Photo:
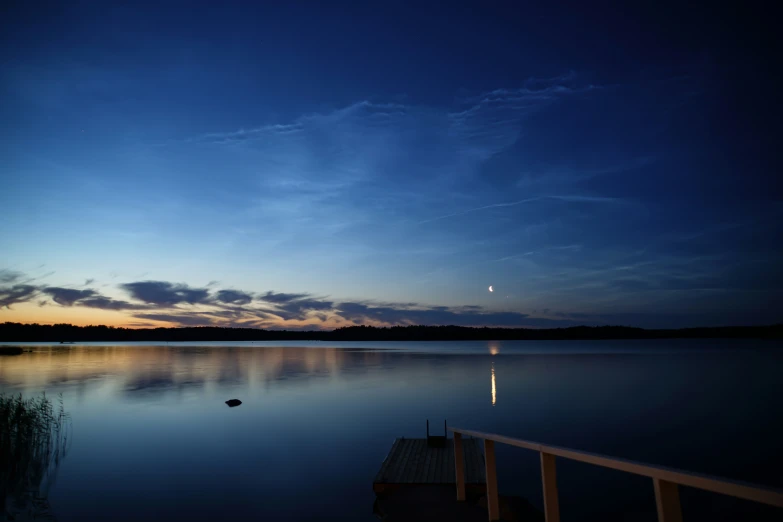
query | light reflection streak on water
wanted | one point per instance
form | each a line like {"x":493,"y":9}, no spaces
{"x":494,"y":394}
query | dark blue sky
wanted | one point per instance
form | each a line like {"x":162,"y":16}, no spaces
{"x":386,"y":163}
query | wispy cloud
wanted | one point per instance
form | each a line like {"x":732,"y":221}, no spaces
{"x":236,"y":297}
{"x":491,"y":122}
{"x":180,"y":319}
{"x":10,"y":276}
{"x":182,"y":305}
{"x":543,"y":250}
{"x":297,"y":306}
{"x":243,"y":135}
{"x":67,"y":296}
{"x":372,"y":162}
{"x":106,"y":303}
{"x":534,"y":91}
{"x":375,"y":112}
{"x":563,"y":198}
{"x":368,"y":312}
{"x":544,"y":177}
{"x":281,"y":298}
{"x":16,"y":294}
{"x":16,"y":287}
{"x":163,"y":293}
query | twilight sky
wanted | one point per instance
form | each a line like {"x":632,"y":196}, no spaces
{"x":292,"y":165}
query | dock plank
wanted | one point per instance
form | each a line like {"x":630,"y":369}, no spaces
{"x":425,"y":453}
{"x":399,"y":470}
{"x":413,"y":464}
{"x":409,"y":447}
{"x":421,"y":477}
{"x":387,"y":461}
{"x":431,"y":475}
{"x":441,"y":466}
{"x":451,"y":468}
{"x":448,"y":472}
{"x":437,"y":466}
{"x":448,"y":468}
{"x":467,"y":461}
{"x":470,"y":461}
{"x":391,"y":471}
{"x":425,"y":459}
{"x":413,"y":461}
{"x":410,"y":462}
{"x":396,"y":460}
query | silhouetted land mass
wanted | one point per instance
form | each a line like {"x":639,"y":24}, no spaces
{"x":17,"y":332}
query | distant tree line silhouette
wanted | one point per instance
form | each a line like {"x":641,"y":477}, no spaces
{"x":19,"y":332}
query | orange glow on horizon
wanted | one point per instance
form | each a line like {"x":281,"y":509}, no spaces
{"x":54,"y":314}
{"x":29,"y":313}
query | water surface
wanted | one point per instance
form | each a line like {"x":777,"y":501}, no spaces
{"x":153,"y":439}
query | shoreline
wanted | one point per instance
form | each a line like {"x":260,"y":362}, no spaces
{"x":69,"y":334}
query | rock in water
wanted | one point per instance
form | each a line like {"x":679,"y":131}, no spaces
{"x":233,"y":402}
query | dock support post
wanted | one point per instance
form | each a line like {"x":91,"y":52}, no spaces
{"x":667,"y":499}
{"x":459,"y":462}
{"x":549,"y":481}
{"x":492,"y":480}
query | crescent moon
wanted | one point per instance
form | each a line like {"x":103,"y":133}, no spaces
{"x":490,"y":288}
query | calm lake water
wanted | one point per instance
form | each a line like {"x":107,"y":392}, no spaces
{"x":153,"y":439}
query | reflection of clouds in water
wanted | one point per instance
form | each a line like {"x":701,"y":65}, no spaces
{"x":230,"y":368}
{"x":155,"y":372}
{"x":162,"y":381}
{"x":163,"y":368}
{"x":147,"y":383}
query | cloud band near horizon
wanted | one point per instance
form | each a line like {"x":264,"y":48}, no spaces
{"x":182,"y":305}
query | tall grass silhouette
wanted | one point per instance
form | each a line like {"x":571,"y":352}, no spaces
{"x":34,"y":438}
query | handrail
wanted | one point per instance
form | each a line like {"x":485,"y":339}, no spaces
{"x":665,"y":479}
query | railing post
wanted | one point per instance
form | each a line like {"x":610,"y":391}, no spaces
{"x":549,"y":481}
{"x":667,"y":498}
{"x":459,"y":462}
{"x":492,"y":480}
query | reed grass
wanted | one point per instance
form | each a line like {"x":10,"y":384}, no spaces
{"x":34,"y":438}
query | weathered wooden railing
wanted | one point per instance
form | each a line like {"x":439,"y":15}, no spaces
{"x":665,"y":480}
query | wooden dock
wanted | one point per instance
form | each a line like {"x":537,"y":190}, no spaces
{"x":665,"y":481}
{"x":413,"y":462}
{"x":416,"y":479}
